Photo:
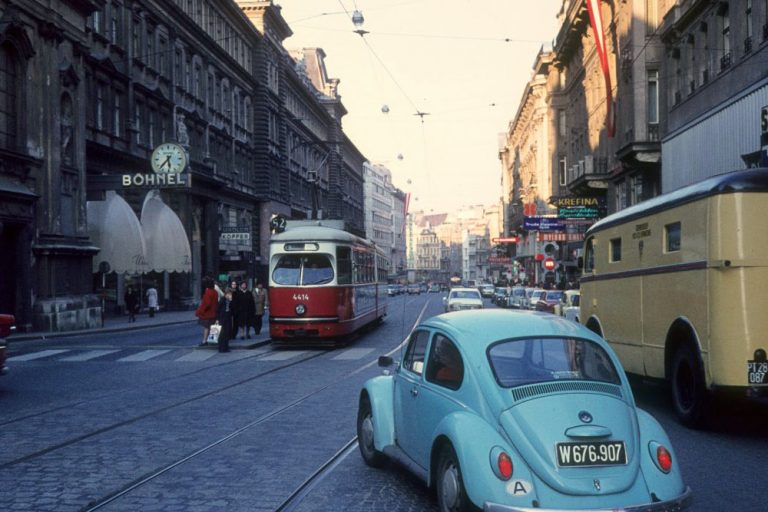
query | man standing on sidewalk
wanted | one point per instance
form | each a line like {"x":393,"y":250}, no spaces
{"x":260,"y":302}
{"x":152,"y":300}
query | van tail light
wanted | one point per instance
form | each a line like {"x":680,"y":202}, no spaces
{"x":501,"y":463}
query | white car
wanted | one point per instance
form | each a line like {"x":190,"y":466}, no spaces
{"x":569,"y":305}
{"x":517,"y":297}
{"x":463,"y":298}
{"x":536,"y":294}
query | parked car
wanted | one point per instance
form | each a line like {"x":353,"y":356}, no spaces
{"x":534,"y":297}
{"x":392,"y":290}
{"x":486,"y":290}
{"x":414,"y":288}
{"x":549,"y":300}
{"x":569,"y":305}
{"x":463,"y":298}
{"x":509,"y":410}
{"x":516,"y":297}
{"x":434,"y":288}
{"x":6,"y":328}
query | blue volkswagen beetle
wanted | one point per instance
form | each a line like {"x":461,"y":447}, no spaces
{"x":518,"y":411}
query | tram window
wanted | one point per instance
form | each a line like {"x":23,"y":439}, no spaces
{"x":287,"y":270}
{"x":344,"y":265}
{"x":317,"y":269}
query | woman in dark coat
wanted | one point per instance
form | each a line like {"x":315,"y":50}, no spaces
{"x":131,"y":303}
{"x":225,"y":316}
{"x":245,"y":310}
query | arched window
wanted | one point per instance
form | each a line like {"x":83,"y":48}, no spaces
{"x":9,"y":99}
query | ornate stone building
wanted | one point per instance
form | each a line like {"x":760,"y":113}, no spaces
{"x":45,"y":251}
{"x":90,"y":89}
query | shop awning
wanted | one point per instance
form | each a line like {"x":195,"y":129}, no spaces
{"x":115,"y":229}
{"x":166,"y":240}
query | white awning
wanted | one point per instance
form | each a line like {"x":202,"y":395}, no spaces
{"x":115,"y":229}
{"x":166,"y":240}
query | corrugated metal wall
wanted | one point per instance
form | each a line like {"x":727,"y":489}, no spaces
{"x":713,"y":144}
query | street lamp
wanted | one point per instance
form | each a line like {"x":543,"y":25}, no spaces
{"x":358,"y":20}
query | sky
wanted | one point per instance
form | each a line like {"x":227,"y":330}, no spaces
{"x":464,"y":63}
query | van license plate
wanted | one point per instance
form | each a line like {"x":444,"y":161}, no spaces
{"x":597,"y":453}
{"x":757,"y":373}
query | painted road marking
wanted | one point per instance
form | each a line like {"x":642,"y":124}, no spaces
{"x":36,"y":355}
{"x":144,"y":355}
{"x":353,"y":353}
{"x":283,"y":355}
{"x":87,"y":356}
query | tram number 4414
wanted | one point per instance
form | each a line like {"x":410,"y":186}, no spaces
{"x":300,"y":296}
{"x":757,"y":371}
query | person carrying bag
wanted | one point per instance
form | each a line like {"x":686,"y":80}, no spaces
{"x":208,"y":309}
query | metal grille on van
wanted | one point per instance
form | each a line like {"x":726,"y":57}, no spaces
{"x":522,"y":393}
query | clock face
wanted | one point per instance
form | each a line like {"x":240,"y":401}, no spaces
{"x":169,"y":158}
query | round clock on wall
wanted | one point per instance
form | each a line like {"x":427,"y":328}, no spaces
{"x":169,"y":158}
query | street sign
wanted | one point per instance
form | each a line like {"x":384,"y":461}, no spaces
{"x":544,"y":224}
{"x":506,"y":240}
{"x":549,"y":264}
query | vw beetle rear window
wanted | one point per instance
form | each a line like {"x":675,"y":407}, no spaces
{"x":533,"y":360}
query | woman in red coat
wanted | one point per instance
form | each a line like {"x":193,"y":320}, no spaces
{"x":206,"y":312}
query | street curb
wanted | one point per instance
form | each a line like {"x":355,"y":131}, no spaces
{"x":50,"y":335}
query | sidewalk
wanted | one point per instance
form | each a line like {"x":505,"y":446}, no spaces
{"x":143,"y":321}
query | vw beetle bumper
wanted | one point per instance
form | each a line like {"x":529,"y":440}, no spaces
{"x":680,"y":503}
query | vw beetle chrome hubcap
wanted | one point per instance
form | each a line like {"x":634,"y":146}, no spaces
{"x":367,"y":432}
{"x":450,"y":486}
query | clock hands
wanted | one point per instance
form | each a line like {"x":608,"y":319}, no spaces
{"x":166,"y":162}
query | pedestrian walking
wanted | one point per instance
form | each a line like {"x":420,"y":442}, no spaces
{"x":246,"y":310}
{"x":152,"y":300}
{"x":260,"y":304}
{"x":131,"y":303}
{"x":226,"y":317}
{"x":209,"y":305}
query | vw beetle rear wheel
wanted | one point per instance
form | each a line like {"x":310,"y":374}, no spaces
{"x":451,"y":495}
{"x":371,"y":455}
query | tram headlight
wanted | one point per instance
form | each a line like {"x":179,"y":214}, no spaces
{"x":300,"y":309}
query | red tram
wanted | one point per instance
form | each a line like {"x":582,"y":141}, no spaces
{"x":324,"y":283}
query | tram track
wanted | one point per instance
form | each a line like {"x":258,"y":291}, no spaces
{"x":154,"y":412}
{"x":298,"y":494}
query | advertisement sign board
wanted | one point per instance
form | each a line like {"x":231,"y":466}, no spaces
{"x":544,"y":224}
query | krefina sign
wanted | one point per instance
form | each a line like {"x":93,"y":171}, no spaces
{"x":582,"y":201}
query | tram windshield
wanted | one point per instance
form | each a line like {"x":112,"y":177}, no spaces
{"x":303,"y":269}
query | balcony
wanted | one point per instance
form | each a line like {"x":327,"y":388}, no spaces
{"x":590,"y":173}
{"x":653,"y":132}
{"x":725,"y":61}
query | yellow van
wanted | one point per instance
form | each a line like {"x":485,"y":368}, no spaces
{"x":678,"y":285}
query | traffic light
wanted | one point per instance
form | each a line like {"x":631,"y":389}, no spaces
{"x":551,"y":248}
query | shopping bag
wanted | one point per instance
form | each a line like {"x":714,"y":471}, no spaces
{"x":213,"y":334}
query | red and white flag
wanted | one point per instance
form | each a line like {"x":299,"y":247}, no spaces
{"x":596,"y":20}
